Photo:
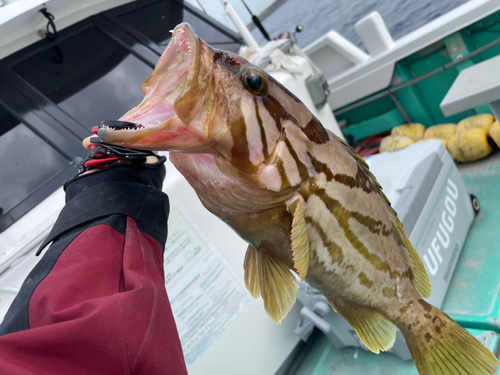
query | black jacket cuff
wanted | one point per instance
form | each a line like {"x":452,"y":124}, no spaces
{"x":124,"y":189}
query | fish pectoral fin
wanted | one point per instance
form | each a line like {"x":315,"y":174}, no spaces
{"x":374,"y":330}
{"x":278,"y":285}
{"x":251,"y":267}
{"x":299,"y":239}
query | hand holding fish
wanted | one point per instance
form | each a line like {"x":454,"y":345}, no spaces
{"x":301,"y":198}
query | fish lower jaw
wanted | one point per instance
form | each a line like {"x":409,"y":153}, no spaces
{"x":130,"y":136}
{"x":107,"y":132}
{"x":117,"y":129}
{"x":138,"y":126}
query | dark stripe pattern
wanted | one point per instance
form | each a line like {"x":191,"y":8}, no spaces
{"x":334,"y":249}
{"x":240,"y":152}
{"x":263,"y":137}
{"x":343,"y":215}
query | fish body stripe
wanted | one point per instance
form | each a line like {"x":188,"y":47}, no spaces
{"x":240,"y":152}
{"x":246,"y":150}
{"x":263,"y":137}
{"x":342,"y":216}
{"x":365,"y":280}
{"x":360,"y":181}
{"x":314,"y":131}
{"x":333,"y":248}
{"x":374,"y":226}
{"x":253,"y":133}
{"x":321,"y":167}
{"x":303,"y":171}
{"x":285,"y":182}
{"x":290,"y":171}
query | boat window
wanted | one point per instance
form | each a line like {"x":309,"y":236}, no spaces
{"x":53,"y":92}
{"x":90,"y":76}
{"x":28,"y":162}
{"x":156,"y":20}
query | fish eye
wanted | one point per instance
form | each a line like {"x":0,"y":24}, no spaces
{"x":255,"y":82}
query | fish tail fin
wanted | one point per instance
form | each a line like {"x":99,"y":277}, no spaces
{"x":445,"y":348}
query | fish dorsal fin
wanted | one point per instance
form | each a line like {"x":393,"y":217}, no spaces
{"x":421,"y":280}
{"x":299,"y":239}
{"x":278,"y":285}
{"x":375,"y":331}
{"x":251,"y":267}
{"x":271,"y":279}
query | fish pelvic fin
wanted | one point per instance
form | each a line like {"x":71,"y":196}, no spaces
{"x":251,"y":267}
{"x":299,"y":239}
{"x":271,"y":279}
{"x":374,"y":330}
{"x":278,"y":285}
{"x":443,"y":347}
{"x":421,"y":281}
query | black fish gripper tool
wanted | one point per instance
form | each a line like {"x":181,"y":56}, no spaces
{"x":104,"y":154}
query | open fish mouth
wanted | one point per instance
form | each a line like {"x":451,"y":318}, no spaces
{"x":176,"y":73}
{"x":120,"y":125}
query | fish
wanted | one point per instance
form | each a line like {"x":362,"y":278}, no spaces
{"x":303,"y":200}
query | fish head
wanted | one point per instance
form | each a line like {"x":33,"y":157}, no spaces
{"x":200,"y":99}
{"x":176,"y":110}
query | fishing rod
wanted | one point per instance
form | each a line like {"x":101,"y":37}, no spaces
{"x":256,"y":21}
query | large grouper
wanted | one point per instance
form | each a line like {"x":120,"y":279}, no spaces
{"x":299,"y":196}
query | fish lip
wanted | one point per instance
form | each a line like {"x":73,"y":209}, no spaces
{"x":145,"y":120}
{"x":148,"y":113}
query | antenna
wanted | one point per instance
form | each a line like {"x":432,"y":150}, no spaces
{"x":256,"y":21}
{"x":242,"y":29}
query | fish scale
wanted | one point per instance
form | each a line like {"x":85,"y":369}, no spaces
{"x":304,"y":201}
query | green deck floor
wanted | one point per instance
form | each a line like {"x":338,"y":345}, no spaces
{"x":324,"y":359}
{"x":473,"y":298}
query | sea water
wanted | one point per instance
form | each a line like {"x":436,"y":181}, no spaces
{"x":317,"y":17}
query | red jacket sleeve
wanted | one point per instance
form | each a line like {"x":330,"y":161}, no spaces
{"x":96,"y":302}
